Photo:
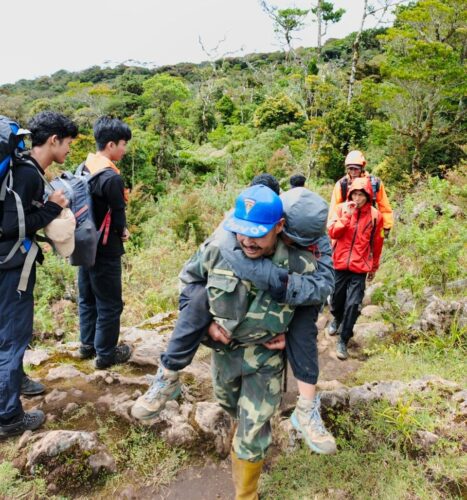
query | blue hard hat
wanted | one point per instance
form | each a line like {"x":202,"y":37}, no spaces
{"x":257,"y":210}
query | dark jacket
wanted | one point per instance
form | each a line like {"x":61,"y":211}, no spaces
{"x":107,"y":191}
{"x":28,"y":184}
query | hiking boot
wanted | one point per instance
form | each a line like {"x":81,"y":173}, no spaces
{"x":122,"y":354}
{"x":333,"y":327}
{"x":30,"y":387}
{"x":29,"y":421}
{"x":165,"y":387}
{"x":306,"y":418}
{"x":86,"y":351}
{"x":341,"y":349}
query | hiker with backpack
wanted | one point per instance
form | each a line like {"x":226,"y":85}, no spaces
{"x":23,"y":212}
{"x":100,"y":301}
{"x":355,"y":165}
{"x":357,"y":230}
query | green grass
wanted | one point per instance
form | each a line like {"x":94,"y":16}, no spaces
{"x":13,"y":486}
{"x":411,"y":361}
{"x":353,"y":473}
{"x":379,"y":456}
{"x":142,"y":452}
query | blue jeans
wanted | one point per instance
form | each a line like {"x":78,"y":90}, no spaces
{"x":16,"y":320}
{"x":100,"y":304}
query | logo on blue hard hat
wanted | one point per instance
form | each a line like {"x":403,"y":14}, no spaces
{"x":257,"y":210}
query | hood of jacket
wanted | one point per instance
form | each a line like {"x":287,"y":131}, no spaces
{"x":306,"y":214}
{"x":360,"y":184}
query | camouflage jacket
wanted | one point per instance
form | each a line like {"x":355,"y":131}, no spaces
{"x":249,"y":315}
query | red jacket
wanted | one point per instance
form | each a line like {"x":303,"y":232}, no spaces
{"x":382,"y":201}
{"x":358,"y":238}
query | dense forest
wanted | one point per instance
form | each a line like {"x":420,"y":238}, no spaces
{"x":200,"y":134}
{"x":285,"y":111}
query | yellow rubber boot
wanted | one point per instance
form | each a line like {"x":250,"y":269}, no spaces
{"x":245,"y":476}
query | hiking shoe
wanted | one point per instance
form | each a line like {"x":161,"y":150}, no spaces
{"x":29,"y":421}
{"x":86,"y":351}
{"x":341,"y":349}
{"x":306,"y":419}
{"x":122,"y":354}
{"x":164,"y":387}
{"x":30,"y":387}
{"x":333,"y":327}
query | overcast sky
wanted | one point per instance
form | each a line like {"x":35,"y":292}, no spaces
{"x":45,"y":36}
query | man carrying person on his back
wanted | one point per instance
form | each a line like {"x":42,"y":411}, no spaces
{"x":100,"y":286}
{"x":355,"y":165}
{"x":249,"y":319}
{"x":51,"y":135}
{"x":357,"y":229}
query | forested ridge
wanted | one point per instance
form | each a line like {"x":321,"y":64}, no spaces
{"x":201,"y":132}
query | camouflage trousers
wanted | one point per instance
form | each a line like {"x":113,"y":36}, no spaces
{"x":247,"y":384}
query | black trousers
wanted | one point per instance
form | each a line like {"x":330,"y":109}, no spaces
{"x":194,"y":320}
{"x":100,"y":304}
{"x":346,"y":301}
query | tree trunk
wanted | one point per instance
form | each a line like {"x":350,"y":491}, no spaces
{"x":416,"y":158}
{"x":356,"y":53}
{"x":319,"y":21}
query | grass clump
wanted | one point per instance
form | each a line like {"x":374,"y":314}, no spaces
{"x":13,"y":485}
{"x":411,"y":361}
{"x":380,"y":455}
{"x":143,"y":454}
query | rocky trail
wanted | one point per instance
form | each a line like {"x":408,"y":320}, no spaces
{"x":80,"y":402}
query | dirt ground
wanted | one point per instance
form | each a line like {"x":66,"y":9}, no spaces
{"x":213,"y":481}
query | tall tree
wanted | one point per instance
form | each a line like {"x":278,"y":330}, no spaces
{"x":286,"y":22}
{"x":424,"y":96}
{"x":380,"y":10}
{"x":161,"y":92}
{"x":325,"y":14}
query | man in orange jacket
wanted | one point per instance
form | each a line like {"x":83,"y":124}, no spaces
{"x":357,"y":230}
{"x":355,"y":164}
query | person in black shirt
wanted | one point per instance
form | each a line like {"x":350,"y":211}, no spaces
{"x":100,"y":286}
{"x":51,"y":135}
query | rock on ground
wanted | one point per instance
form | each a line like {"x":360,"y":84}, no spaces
{"x":439,"y":314}
{"x":216,"y":423}
{"x":52,"y":443}
{"x":63,"y":371}
{"x":35,"y":357}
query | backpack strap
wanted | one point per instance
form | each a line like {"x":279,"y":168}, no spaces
{"x":27,"y":267}
{"x":374,"y":220}
{"x":344,"y":186}
{"x":46,"y":182}
{"x":105,"y":228}
{"x":375,"y":184}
